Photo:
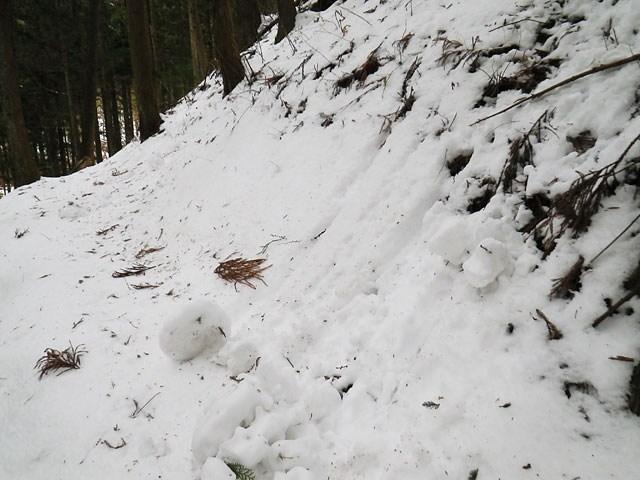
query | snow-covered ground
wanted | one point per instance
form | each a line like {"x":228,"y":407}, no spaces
{"x":398,"y":332}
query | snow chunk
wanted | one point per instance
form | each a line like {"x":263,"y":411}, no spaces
{"x":216,"y":469}
{"x":452,"y":240}
{"x":198,"y":326}
{"x":220,"y":423}
{"x":72,"y":211}
{"x":488,"y":260}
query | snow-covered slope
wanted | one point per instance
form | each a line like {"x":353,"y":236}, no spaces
{"x":399,"y":331}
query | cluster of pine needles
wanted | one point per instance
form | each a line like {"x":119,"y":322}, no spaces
{"x":52,"y":360}
{"x":241,"y":270}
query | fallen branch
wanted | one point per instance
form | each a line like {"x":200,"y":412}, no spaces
{"x":599,"y":68}
{"x":612,"y":309}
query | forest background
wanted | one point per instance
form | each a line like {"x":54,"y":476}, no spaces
{"x":73,"y":72}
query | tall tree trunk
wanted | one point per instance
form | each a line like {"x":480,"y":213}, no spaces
{"x":98,"y":140}
{"x":24,"y":165}
{"x":88,"y":116}
{"x":110,"y":110}
{"x":248,"y":20}
{"x":62,"y":147}
{"x":287,"y":18}
{"x":142,"y":65}
{"x":127,"y":110}
{"x":226,"y":47}
{"x":199,"y":60}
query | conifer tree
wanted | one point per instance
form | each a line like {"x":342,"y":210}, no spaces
{"x":24,"y":166}
{"x":226,"y":46}
{"x":142,"y":65}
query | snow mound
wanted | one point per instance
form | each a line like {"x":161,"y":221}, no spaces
{"x":195,"y":328}
{"x":489,"y":259}
{"x":216,"y":469}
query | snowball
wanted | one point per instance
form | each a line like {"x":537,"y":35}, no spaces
{"x":216,"y":469}
{"x":72,"y":211}
{"x":198,"y":326}
{"x":487,"y":261}
{"x":220,"y":423}
{"x":451,"y":240}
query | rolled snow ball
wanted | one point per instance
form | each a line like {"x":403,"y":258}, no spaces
{"x":198,"y":326}
{"x":216,"y":469}
{"x":487,"y":261}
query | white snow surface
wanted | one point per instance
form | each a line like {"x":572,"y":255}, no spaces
{"x":378,"y":345}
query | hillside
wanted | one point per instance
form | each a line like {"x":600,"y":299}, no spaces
{"x":404,"y":327}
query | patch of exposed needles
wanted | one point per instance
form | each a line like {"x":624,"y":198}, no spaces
{"x":521,"y":152}
{"x":147,"y":251}
{"x":68,"y":359}
{"x":564,"y":286}
{"x":107,"y":230}
{"x":554,"y":332}
{"x":455,"y":53}
{"x":360,"y":74}
{"x":20,"y":233}
{"x":241,"y":270}
{"x":136,"y":269}
{"x":143,"y":286}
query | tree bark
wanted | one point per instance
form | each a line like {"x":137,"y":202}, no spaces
{"x":142,"y":65}
{"x":110,"y":109}
{"x":226,"y":47}
{"x":248,"y":20}
{"x":287,"y":18}
{"x":24,"y":165}
{"x":199,"y":60}
{"x":90,"y":87}
{"x":127,"y":110}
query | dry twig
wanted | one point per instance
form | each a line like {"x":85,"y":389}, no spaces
{"x":599,"y":68}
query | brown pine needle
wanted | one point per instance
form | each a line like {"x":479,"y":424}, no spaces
{"x":241,"y":270}
{"x":68,"y":359}
{"x":137,"y":269}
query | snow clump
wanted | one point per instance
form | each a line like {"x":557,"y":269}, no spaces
{"x":199,"y":326}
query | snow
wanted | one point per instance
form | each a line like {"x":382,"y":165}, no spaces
{"x":193,"y":329}
{"x":397,"y":333}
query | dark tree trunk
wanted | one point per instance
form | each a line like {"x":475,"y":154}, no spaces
{"x":127,"y":110}
{"x":142,"y":65}
{"x":98,"y":140}
{"x":248,"y":20}
{"x":52,"y":152}
{"x":287,"y":18}
{"x":199,"y":60}
{"x":110,"y":109}
{"x":62,"y":146}
{"x":226,"y":47}
{"x":88,"y":117}
{"x":322,"y":5}
{"x":24,"y":165}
